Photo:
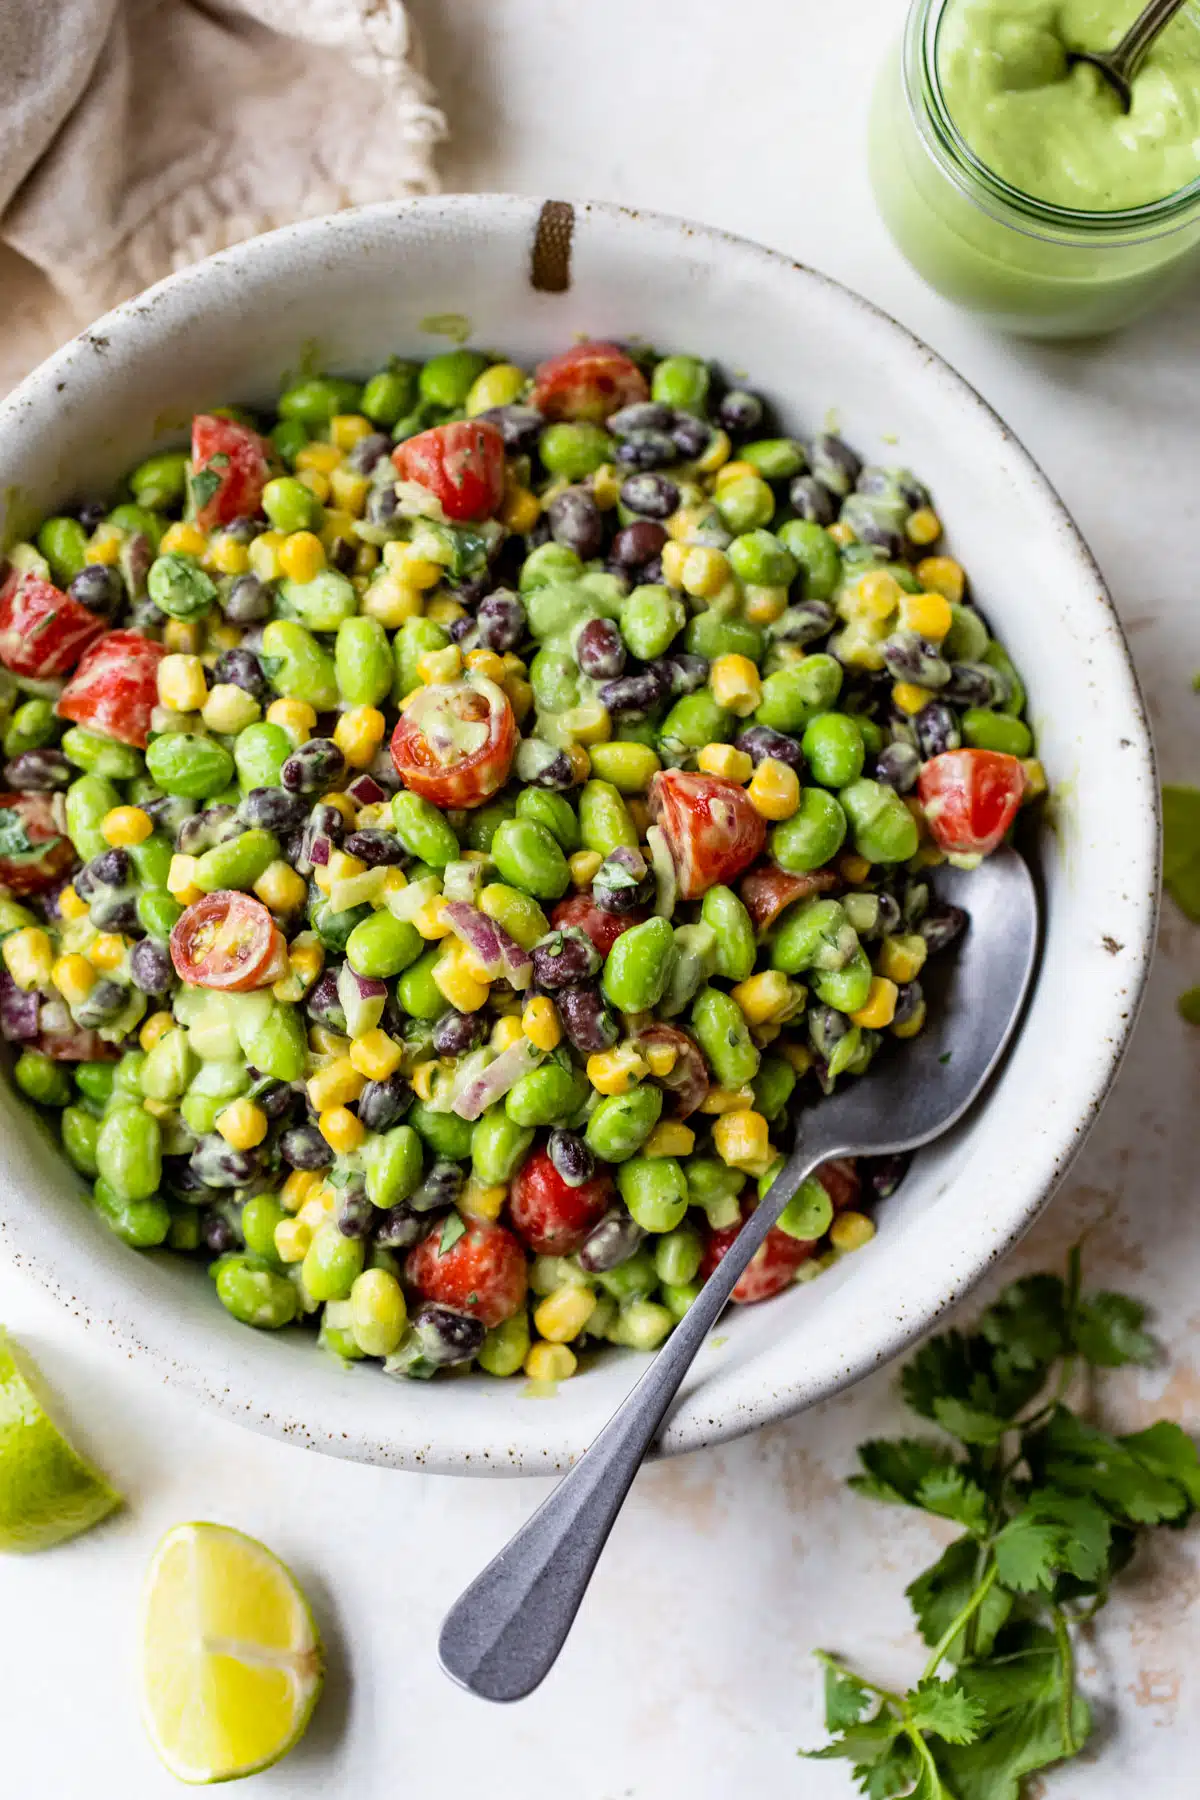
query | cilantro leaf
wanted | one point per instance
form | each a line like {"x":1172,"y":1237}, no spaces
{"x":1079,"y":1458}
{"x":846,"y":1697}
{"x":1021,"y":1698}
{"x":1027,"y":1325}
{"x":940,"y":1593}
{"x":896,"y":1468}
{"x":204,"y":485}
{"x":452,"y":1230}
{"x":1166,"y":1449}
{"x":1181,"y":848}
{"x":946,"y":1709}
{"x":14,"y":839}
{"x":953,"y":1495}
{"x":973,"y":1424}
{"x":891,"y":1774}
{"x":1108,"y":1332}
{"x":1055,"y":1533}
{"x":970,"y":1387}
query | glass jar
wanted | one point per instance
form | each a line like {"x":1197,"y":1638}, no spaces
{"x":1022,"y":264}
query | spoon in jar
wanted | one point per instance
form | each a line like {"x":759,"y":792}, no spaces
{"x":502,"y":1637}
{"x":1119,"y":65}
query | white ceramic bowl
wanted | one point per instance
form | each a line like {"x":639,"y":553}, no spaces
{"x":346,"y":292}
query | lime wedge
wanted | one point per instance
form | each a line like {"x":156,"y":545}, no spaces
{"x":47,"y":1491}
{"x":231,"y":1659}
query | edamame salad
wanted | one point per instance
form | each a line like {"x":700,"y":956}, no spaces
{"x":451,"y":823}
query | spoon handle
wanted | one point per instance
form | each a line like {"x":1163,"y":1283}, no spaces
{"x":1142,"y":33}
{"x":502,"y":1636}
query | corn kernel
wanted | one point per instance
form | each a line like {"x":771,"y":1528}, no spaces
{"x":376,"y":1055}
{"x":506,"y":1033}
{"x":292,"y":1240}
{"x":184,"y":637}
{"x":563,"y":1314}
{"x":616,"y":1071}
{"x":358,"y":734}
{"x":337,"y":1084}
{"x":670,"y":1138}
{"x":307,"y":959}
{"x":735,"y":471}
{"x":219,"y":636}
{"x":540,"y":1023}
{"x":264,"y":555}
{"x":296,"y":717}
{"x":280,"y":888}
{"x":798,"y":1055}
{"x":183,"y":539}
{"x":158,"y":1026}
{"x":107,"y":952}
{"x":741,"y":1139}
{"x":315,"y":455}
{"x":851,"y":1230}
{"x":521,"y":509}
{"x":606,"y":487}
{"x":326,"y":1043}
{"x":727,"y":1100}
{"x":486,"y":663}
{"x":723,"y":759}
{"x":913,"y":1025}
{"x":639,"y":811}
{"x":928,"y":615}
{"x":242,"y":1124}
{"x":1035,"y":783}
{"x":775,"y":790}
{"x":716,"y":453}
{"x":583,"y":866}
{"x":765,"y":998}
{"x":909,"y":697}
{"x":300,"y":1186}
{"x":422,"y":1079}
{"x":942,"y":575}
{"x":923,"y":526}
{"x":902,"y":958}
{"x":735,"y":684}
{"x":590,"y":723}
{"x":321,"y":1206}
{"x":550,"y":1362}
{"x":876,"y":596}
{"x":704,"y":572}
{"x":181,"y":880}
{"x":842,"y":534}
{"x":853,"y":868}
{"x":482,"y":1201}
{"x":661,"y":1058}
{"x":765,"y":604}
{"x":348,"y":429}
{"x":455,"y":982}
{"x":412,"y":566}
{"x":104,"y":545}
{"x":70,"y":905}
{"x":340,"y":1129}
{"x":880,"y":1008}
{"x":181,"y":683}
{"x":228,"y":557}
{"x":126,"y":825}
{"x":302,"y":556}
{"x":229,"y":709}
{"x":316,"y":482}
{"x":429,"y":921}
{"x":74,"y":977}
{"x":440,"y":665}
{"x":444,"y":611}
{"x":674,"y":556}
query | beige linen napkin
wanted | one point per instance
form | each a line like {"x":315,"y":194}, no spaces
{"x":140,"y":135}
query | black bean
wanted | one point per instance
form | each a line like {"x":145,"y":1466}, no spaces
{"x":90,"y":513}
{"x":274,"y":1097}
{"x":38,"y":771}
{"x":889,"y":915}
{"x":246,"y":600}
{"x":314,"y":767}
{"x":576,"y":522}
{"x":457,"y":1032}
{"x":322,"y":1005}
{"x":762,"y":741}
{"x":898,"y":766}
{"x":398,"y":1227}
{"x":241,"y":668}
{"x":565,"y":958}
{"x":651,"y":573}
{"x":243,"y":529}
{"x":553,"y":771}
{"x":637,"y":543}
{"x":812,"y":500}
{"x":446,"y":1336}
{"x":98,"y":587}
{"x":381,"y":505}
{"x":112,"y":869}
{"x":619,"y":887}
{"x":941,"y":925}
{"x":364,"y":455}
{"x":683,"y":672}
{"x":588,"y":1023}
{"x":441,"y":1187}
{"x":115,"y":912}
{"x":643,"y":415}
{"x":303,"y":1147}
{"x":610,"y":1243}
{"x":519,"y":426}
{"x":910,"y":999}
{"x":834,"y":463}
{"x":909,"y":658}
{"x":740,"y":413}
{"x":826,"y":1028}
{"x":104,"y":1000}
{"x":355,"y":1214}
{"x":169,"y":811}
{"x":913,"y":492}
{"x":651,"y":495}
{"x":646,"y":450}
{"x":571,"y":1156}
{"x":501,"y":621}
{"x":937,"y":728}
{"x":882,"y":1175}
{"x":600,"y":650}
{"x":327,"y":821}
{"x":203,"y":830}
{"x":975,"y":684}
{"x":463,"y":628}
{"x":804,"y":623}
{"x":217,"y":1234}
{"x":150,"y":967}
{"x":219,"y":1165}
{"x":692,"y":436}
{"x":378,"y":849}
{"x":383,"y":1104}
{"x":634,"y":695}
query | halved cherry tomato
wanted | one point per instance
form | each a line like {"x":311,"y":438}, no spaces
{"x":604,"y":928}
{"x":840,"y":1180}
{"x":766,"y":891}
{"x":228,"y":941}
{"x":456,"y":742}
{"x":482,"y":1273}
{"x":688,"y":1079}
{"x":237,"y":457}
{"x":42,"y":630}
{"x":770,"y":1269}
{"x":589,"y":381}
{"x":461,"y":465}
{"x":49,"y":853}
{"x":971,"y":798}
{"x":552,"y":1217}
{"x":115,"y":687}
{"x":710,"y":825}
{"x":75,"y":1045}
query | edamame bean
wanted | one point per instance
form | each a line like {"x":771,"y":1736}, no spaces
{"x":654,"y":1190}
{"x":716,"y":1187}
{"x":505,"y":1347}
{"x":629,"y":767}
{"x":884,"y":829}
{"x":100,"y":755}
{"x":290,"y":505}
{"x":378,"y":1313}
{"x":169,"y":1067}
{"x":446,"y":380}
{"x":809,"y":1213}
{"x":32,"y":727}
{"x":711,"y":635}
{"x":773,"y":1087}
{"x":551,"y":1095}
{"x":41,"y":1079}
{"x":575,"y":449}
{"x":967,"y":639}
{"x":735,"y":949}
{"x":776,"y":459}
{"x":817,"y":555}
{"x":315,"y":401}
{"x":631,"y":1279}
{"x":160,"y":482}
{"x":548,"y":563}
{"x":423,"y":830}
{"x":793,"y":696}
{"x":642,"y":1325}
{"x":692,"y":722}
{"x":521,"y":916}
{"x":817,"y":934}
{"x":650,"y":620}
{"x":256,"y":1294}
{"x":158,"y":914}
{"x":721,"y":1031}
{"x":383,"y":946}
{"x":88,"y":800}
{"x":415,"y":639}
{"x":621,"y":1123}
{"x":289,"y":438}
{"x":483,"y":821}
{"x":448,"y":1136}
{"x":985,"y":730}
{"x":390,"y":394}
{"x":129,"y":1152}
{"x":812,"y":836}
{"x":681,"y":382}
{"x":998,"y":658}
{"x":260,"y":1216}
{"x":138,"y":521}
{"x":280,"y":1049}
{"x":297,"y":667}
{"x":530,"y":859}
{"x":760,"y":559}
{"x":845,"y":989}
{"x":259,"y":752}
{"x":417,"y":991}
{"x":321,"y":604}
{"x":604,"y":821}
{"x":638,"y":968}
{"x":677,"y":1256}
{"x":179,"y":587}
{"x":744,"y":503}
{"x":79,"y":1134}
{"x":127,"y":1076}
{"x":834,"y":749}
{"x":63,"y":543}
{"x":183,"y":763}
{"x":95,"y":1080}
{"x":334,"y":928}
{"x":152,"y":861}
{"x":362,"y":659}
{"x":552,"y":811}
{"x":679,"y":1300}
{"x":554,"y":678}
{"x":139,"y":1223}
{"x":332,"y":1263}
{"x":498,"y":1147}
{"x":238,"y":862}
{"x":395,"y":1163}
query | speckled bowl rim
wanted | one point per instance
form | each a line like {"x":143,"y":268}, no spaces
{"x":692,"y":1426}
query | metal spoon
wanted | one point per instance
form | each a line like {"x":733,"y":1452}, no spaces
{"x":503,"y":1635}
{"x":1120,"y":65}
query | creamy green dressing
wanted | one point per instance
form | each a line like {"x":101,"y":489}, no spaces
{"x":1056,"y":130}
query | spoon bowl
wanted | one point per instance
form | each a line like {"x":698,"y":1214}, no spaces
{"x":1119,"y":65}
{"x":504,"y":1634}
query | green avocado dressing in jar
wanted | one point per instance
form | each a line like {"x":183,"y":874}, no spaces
{"x":1011,"y":178}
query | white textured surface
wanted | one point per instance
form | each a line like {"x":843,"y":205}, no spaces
{"x":688,"y":1674}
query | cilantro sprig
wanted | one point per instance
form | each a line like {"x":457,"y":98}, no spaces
{"x":1051,"y":1508}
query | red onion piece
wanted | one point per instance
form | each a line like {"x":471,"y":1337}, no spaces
{"x":483,"y":1090}
{"x":19,"y":1012}
{"x":318,"y":850}
{"x":366,"y":791}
